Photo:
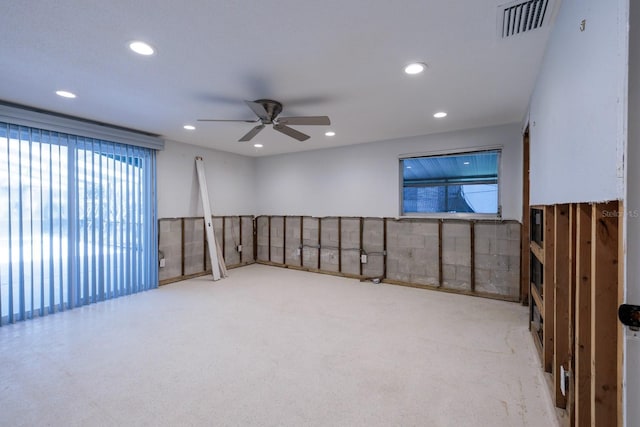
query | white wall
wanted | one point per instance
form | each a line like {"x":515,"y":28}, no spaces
{"x":632,"y":221}
{"x":230,"y":180}
{"x":363,"y":180}
{"x":577,"y":130}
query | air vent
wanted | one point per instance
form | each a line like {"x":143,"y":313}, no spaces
{"x":522,"y":16}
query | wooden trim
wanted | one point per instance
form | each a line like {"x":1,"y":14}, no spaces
{"x":396,"y":282}
{"x":384,"y":248}
{"x":284,"y":239}
{"x":604,"y":322}
{"x":361,"y":243}
{"x":269,"y":238}
{"x":301,"y":240}
{"x":537,"y":251}
{"x":199,"y":274}
{"x":255,"y":239}
{"x":440,"y":274}
{"x":548,"y":288}
{"x":561,"y":300}
{"x":224,"y":236}
{"x":319,"y":243}
{"x":582,"y":351}
{"x":182,"y":246}
{"x":472,"y":237}
{"x":240,"y":237}
{"x":340,"y":244}
{"x":525,"y":234}
{"x":204,"y":245}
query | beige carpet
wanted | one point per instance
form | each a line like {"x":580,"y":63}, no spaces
{"x":276,"y":347}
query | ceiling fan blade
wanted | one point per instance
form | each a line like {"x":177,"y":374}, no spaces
{"x":253,"y":132}
{"x":218,"y":120}
{"x":259,"y":110}
{"x":291,"y":132}
{"x":309,"y":120}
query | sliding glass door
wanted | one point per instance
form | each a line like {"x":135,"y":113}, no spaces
{"x":77,"y":221}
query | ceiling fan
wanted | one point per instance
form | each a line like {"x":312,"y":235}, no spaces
{"x":267,"y":111}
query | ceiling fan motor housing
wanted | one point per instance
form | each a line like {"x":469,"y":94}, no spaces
{"x":273,"y":109}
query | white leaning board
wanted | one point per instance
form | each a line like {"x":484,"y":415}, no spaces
{"x":208,"y":224}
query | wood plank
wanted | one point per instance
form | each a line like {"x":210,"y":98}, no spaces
{"x":440,"y":275}
{"x":571,"y":397}
{"x":538,"y":300}
{"x":472,"y":235}
{"x":284,"y":239}
{"x":537,"y":251}
{"x":547,"y":287}
{"x":604,"y":322}
{"x":621,"y":300}
{"x":340,"y":244}
{"x":582,"y":351}
{"x":561,"y":301}
{"x":269,"y":237}
{"x":525,"y":234}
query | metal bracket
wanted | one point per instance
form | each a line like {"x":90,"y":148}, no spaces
{"x":629,"y":315}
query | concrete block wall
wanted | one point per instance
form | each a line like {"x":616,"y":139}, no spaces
{"x":410,"y":248}
{"x":456,"y":255}
{"x":292,"y":243}
{"x":350,"y":245}
{"x":183,"y":244}
{"x":194,"y":247}
{"x":497,"y":258}
{"x":310,"y":242}
{"x":412,"y":251}
{"x":170,"y":244}
{"x":373,"y":247}
{"x":329,"y":253}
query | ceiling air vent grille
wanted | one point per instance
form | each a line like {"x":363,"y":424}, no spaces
{"x":522,"y":16}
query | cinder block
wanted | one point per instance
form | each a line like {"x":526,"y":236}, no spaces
{"x":456,"y":229}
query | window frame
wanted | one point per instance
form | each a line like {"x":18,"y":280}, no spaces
{"x":449,"y":215}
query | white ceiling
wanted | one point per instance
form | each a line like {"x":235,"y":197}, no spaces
{"x":341,"y":58}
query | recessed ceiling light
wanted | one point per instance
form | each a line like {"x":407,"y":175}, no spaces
{"x":466,"y":163}
{"x":440,"y":115}
{"x":415,"y":68}
{"x":258,"y":145}
{"x":330,"y":133}
{"x":65,"y":94}
{"x":408,"y":167}
{"x":189,"y":127}
{"x":141,"y":48}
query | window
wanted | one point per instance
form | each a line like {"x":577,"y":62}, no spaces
{"x":453,"y":183}
{"x":77,"y":221}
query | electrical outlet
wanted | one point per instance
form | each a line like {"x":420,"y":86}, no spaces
{"x":564,"y":380}
{"x":162,"y":262}
{"x":363,"y":258}
{"x":239,"y":248}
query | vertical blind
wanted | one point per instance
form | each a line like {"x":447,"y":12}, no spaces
{"x":77,"y":221}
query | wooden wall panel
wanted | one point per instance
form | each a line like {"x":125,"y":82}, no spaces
{"x":604,"y":322}
{"x":562,"y":268}
{"x":582,"y":351}
{"x":548,"y":294}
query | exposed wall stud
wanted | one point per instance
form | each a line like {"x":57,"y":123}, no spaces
{"x":440,"y":274}
{"x":301,"y":240}
{"x":472,"y":236}
{"x":605,"y":328}
{"x":284,"y":240}
{"x":319,"y":242}
{"x":340,"y":244}
{"x":269,"y":238}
